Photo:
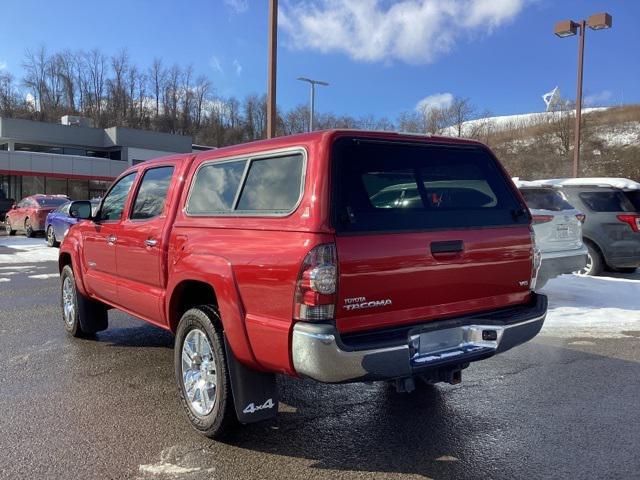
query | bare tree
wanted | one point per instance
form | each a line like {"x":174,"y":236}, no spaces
{"x":157,"y":75}
{"x":459,"y":112}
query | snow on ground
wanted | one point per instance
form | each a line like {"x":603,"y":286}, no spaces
{"x":582,"y":307}
{"x":18,"y":249}
{"x":619,"y":135}
{"x":593,"y":307}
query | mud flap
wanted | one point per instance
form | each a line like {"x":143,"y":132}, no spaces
{"x":255,"y":394}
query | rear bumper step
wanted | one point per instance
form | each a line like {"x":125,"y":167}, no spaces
{"x":319,"y":353}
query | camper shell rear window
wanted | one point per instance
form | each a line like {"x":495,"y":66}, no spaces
{"x":382,"y":186}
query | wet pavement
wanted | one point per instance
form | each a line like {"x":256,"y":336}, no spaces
{"x":108,"y":408}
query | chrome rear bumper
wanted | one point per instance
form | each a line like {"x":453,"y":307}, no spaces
{"x":320,"y":353}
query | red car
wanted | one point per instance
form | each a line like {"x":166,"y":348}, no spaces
{"x":341,"y":256}
{"x":30,"y":213}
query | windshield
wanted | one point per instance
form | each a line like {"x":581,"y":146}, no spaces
{"x":545,"y":199}
{"x":51,"y":201}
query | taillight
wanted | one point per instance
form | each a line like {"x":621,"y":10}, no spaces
{"x":581,"y":217}
{"x":315,"y":294}
{"x":632,"y":220}
{"x":535,"y":262}
{"x":541,"y":219}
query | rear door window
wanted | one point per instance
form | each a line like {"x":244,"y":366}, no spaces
{"x":609,"y":201}
{"x":545,"y":199}
{"x":391,"y":186}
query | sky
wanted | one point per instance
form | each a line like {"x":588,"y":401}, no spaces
{"x":380,"y":57}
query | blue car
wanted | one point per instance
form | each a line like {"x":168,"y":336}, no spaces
{"x":58,"y":223}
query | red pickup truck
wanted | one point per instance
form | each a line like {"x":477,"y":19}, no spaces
{"x":340,"y":256}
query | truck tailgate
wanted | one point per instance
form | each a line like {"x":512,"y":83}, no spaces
{"x":397,"y":279}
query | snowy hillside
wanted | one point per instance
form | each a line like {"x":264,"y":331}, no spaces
{"x":510,"y":122}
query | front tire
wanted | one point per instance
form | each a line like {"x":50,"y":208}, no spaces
{"x":8,"y":228}
{"x":202,"y":374}
{"x":81,"y":316}
{"x":51,"y":237}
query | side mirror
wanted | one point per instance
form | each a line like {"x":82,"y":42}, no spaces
{"x":14,"y":206}
{"x":81,"y":210}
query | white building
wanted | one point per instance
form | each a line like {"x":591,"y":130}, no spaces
{"x":72,"y":158}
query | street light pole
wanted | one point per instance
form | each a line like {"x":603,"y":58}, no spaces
{"x":576,"y":141}
{"x":273,"y":59}
{"x":568,"y":28}
{"x":312,"y":99}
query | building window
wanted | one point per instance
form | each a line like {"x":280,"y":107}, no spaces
{"x":32,"y":185}
{"x":79,"y":190}
{"x":80,"y":152}
{"x":56,"y":186}
{"x":97,"y":188}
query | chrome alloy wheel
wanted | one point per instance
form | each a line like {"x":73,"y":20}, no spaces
{"x":68,"y":301}
{"x":199,"y":372}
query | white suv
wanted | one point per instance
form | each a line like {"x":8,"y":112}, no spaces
{"x":558,"y":228}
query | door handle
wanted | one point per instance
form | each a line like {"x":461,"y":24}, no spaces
{"x":151,"y":242}
{"x":112,"y":239}
{"x":449,"y":247}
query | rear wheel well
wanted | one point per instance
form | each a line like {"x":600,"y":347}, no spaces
{"x":186,"y":295}
{"x":63,"y":261}
{"x":594,"y":245}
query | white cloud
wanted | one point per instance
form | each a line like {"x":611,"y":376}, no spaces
{"x":237,"y":6}
{"x":437,"y":100}
{"x":599,"y":98}
{"x":237,"y":66}
{"x":411,"y":31}
{"x":3,"y":65}
{"x":215,"y":64}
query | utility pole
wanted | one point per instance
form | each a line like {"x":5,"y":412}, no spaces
{"x":273,"y":60}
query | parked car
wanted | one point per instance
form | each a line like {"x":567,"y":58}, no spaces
{"x":558,"y":228}
{"x":58,"y":222}
{"x":612,"y":228}
{"x":273,"y":258}
{"x":5,"y":204}
{"x":30,"y":213}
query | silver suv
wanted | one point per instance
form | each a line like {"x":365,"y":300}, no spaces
{"x":612,"y":227}
{"x":558,"y":229}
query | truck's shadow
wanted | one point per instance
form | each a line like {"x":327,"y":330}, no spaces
{"x":367,"y":428}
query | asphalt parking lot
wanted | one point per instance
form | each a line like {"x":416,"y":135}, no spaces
{"x":562,"y":406}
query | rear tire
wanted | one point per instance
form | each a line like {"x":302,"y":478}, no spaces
{"x":51,"y":237}
{"x":81,"y":316}
{"x":28,"y":228}
{"x":595,"y":262}
{"x":202,"y":374}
